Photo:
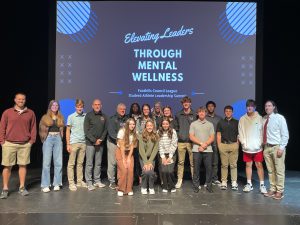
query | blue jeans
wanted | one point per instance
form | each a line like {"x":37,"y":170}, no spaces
{"x":91,"y":153}
{"x":52,"y":146}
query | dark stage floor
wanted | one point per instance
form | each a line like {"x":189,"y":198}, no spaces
{"x":103,"y":206}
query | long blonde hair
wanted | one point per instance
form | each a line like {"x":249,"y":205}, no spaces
{"x":128,"y":132}
{"x":149,"y":136}
{"x":47,"y":119}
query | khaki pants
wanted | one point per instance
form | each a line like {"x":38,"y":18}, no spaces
{"x":229,"y":156}
{"x":78,"y":150}
{"x":124,"y":175}
{"x":276,"y":168}
{"x":182,"y":148}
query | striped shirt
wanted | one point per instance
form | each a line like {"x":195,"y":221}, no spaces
{"x":167,"y":145}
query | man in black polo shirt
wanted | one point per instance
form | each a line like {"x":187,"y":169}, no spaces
{"x":227,"y":139}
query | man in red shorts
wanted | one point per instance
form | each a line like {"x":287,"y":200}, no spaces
{"x":250,"y":136}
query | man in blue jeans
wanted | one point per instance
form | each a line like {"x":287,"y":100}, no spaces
{"x":95,"y":129}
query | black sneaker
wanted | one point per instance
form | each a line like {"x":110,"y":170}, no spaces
{"x":196,"y":189}
{"x":4,"y":194}
{"x":209,"y":188}
{"x":23,"y":191}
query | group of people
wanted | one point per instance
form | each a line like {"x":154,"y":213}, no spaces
{"x":145,"y":144}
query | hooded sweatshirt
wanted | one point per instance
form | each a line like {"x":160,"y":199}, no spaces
{"x":250,"y":133}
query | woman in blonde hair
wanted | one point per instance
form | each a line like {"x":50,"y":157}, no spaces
{"x":148,"y":148}
{"x":51,"y":134}
{"x":127,"y":141}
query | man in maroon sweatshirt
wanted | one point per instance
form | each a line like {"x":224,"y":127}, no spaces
{"x":17,"y":134}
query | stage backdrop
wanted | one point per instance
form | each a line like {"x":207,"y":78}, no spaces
{"x":155,"y":51}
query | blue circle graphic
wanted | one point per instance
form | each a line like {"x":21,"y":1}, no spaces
{"x":67,"y":107}
{"x":239,"y":108}
{"x":72,"y":16}
{"x":242,"y":17}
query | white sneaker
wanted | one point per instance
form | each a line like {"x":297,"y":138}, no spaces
{"x":72,"y":187}
{"x":81,"y":184}
{"x":247,"y":188}
{"x":120,"y":193}
{"x":263,"y":189}
{"x":234,"y":186}
{"x":223,"y":185}
{"x":164,"y":190}
{"x":56,"y":188}
{"x":91,"y":187}
{"x":178,"y":184}
{"x":144,"y":191}
{"x":173,"y":190}
{"x":151,"y":191}
{"x":99,"y":184}
{"x":130,"y":193}
{"x":46,"y":189}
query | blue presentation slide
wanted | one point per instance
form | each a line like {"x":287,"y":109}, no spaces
{"x":155,"y":51}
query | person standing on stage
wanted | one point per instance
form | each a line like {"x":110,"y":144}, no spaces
{"x":157,"y":113}
{"x":95,"y":129}
{"x":227,"y":139}
{"x":250,"y":137}
{"x":17,"y":134}
{"x":51,"y":131}
{"x":212,"y":117}
{"x":115,"y":122}
{"x":148,"y":148}
{"x":275,"y":140}
{"x":202,"y":135}
{"x":135,"y":111}
{"x":167,"y":147}
{"x":183,"y":119}
{"x":146,"y":114}
{"x":127,"y":141}
{"x":76,"y":147}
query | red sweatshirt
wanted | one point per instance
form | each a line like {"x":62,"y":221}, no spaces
{"x":18,"y":128}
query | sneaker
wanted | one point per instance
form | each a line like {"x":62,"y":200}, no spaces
{"x":278,"y":195}
{"x":151,"y":191}
{"x":56,"y":188}
{"x":91,"y":187}
{"x":209,"y":188}
{"x":216,"y":182}
{"x":223,"y":186}
{"x":247,"y":188}
{"x":173,"y":190}
{"x":72,"y":187}
{"x":270,"y":194}
{"x":234,"y":187}
{"x":263,"y":189}
{"x":23,"y":191}
{"x":164,"y":190}
{"x":46,"y":189}
{"x":178,"y":184}
{"x":205,"y":185}
{"x":81,"y":184}
{"x":196,"y":189}
{"x":130,"y":193}
{"x":4,"y":194}
{"x":120,"y":193}
{"x":112,"y":186}
{"x":144,"y":191}
{"x":99,"y":184}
